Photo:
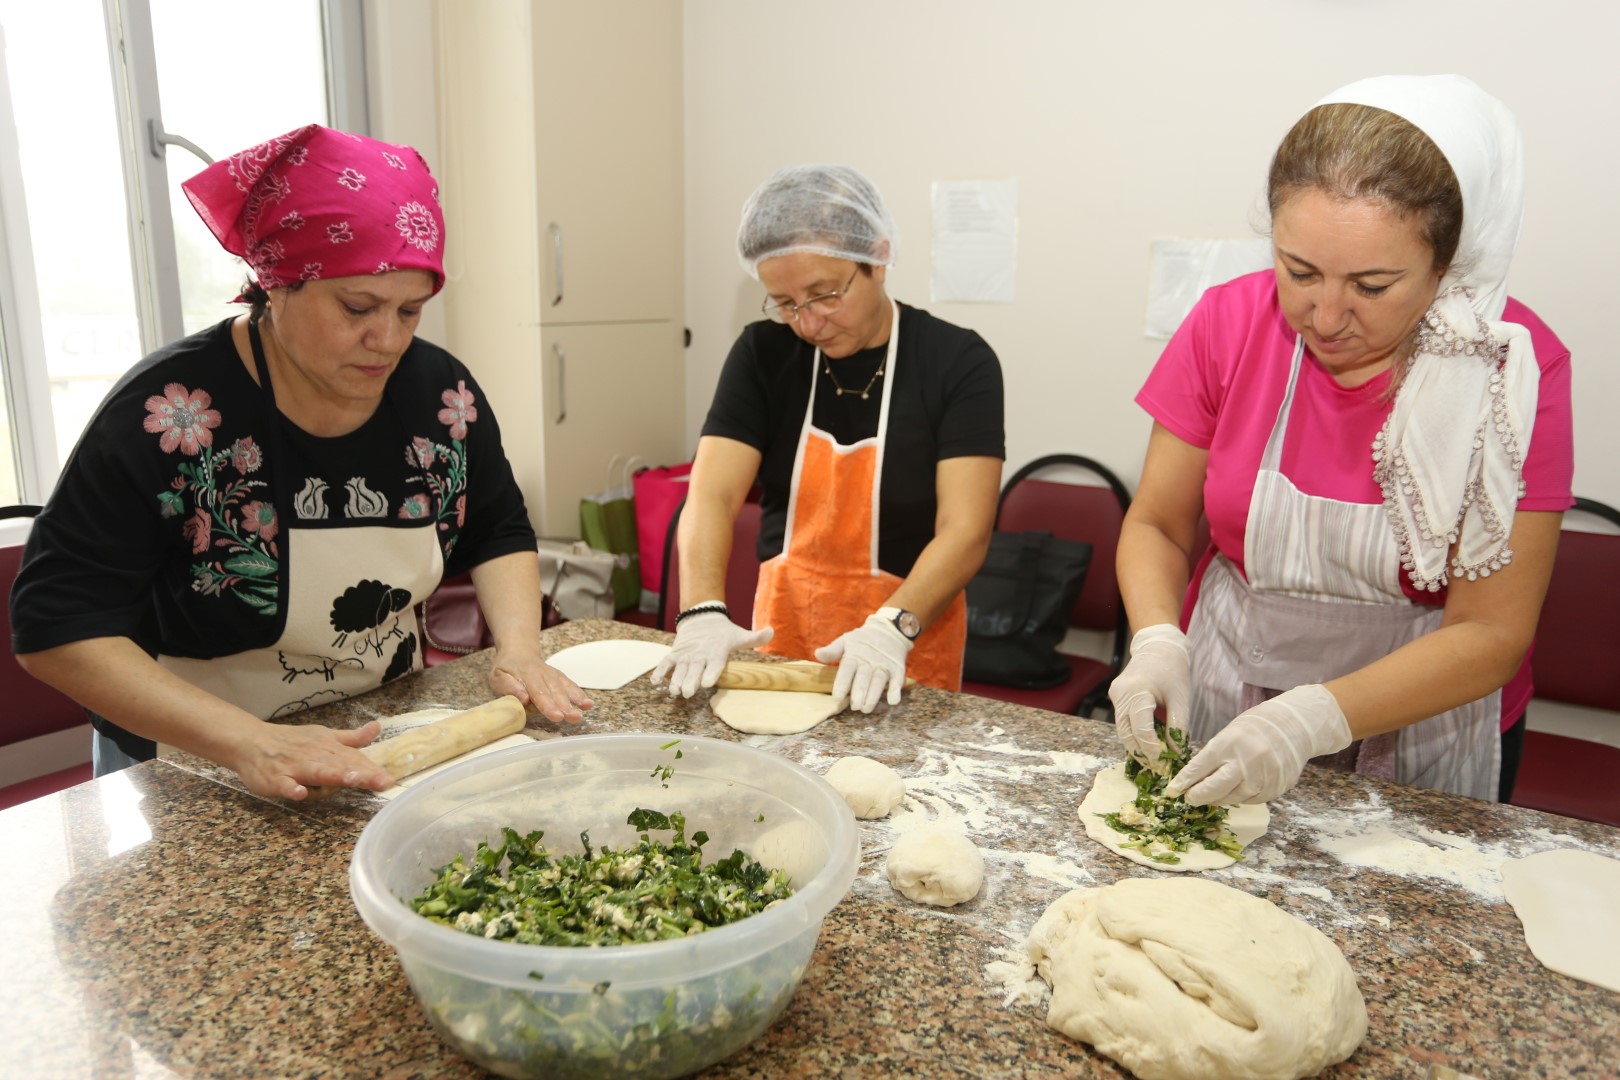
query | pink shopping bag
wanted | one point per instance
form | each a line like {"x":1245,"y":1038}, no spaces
{"x":658,"y":492}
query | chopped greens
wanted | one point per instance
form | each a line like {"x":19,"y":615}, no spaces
{"x":1161,"y":825}
{"x":657,"y":889}
{"x":653,"y":891}
{"x":662,"y":773}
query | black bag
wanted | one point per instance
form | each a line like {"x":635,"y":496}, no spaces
{"x":1018,"y":608}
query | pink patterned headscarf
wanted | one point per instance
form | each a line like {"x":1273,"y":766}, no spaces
{"x":318,"y":203}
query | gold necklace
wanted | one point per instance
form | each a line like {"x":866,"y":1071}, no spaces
{"x":865,"y":391}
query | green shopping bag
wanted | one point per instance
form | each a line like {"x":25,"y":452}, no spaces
{"x":607,"y":522}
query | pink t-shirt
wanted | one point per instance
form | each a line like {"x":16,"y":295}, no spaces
{"x":1235,"y":348}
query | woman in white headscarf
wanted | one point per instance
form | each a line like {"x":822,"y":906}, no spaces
{"x":1380,"y":439}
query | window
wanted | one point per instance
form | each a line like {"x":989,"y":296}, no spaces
{"x":111,"y":261}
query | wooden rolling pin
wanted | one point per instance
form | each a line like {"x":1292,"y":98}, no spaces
{"x":423,"y":747}
{"x":758,"y":675}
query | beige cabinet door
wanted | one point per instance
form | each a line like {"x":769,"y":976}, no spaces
{"x":607,"y":391}
{"x":607,"y":112}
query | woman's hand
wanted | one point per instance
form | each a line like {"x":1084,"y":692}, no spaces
{"x":703,"y":644}
{"x":871,"y":659}
{"x":1261,"y":753}
{"x":542,"y":688}
{"x":285,"y":760}
{"x":1159,"y":673}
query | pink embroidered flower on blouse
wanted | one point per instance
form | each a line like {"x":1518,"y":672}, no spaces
{"x":246,"y":455}
{"x":417,"y":226}
{"x":184,"y":419}
{"x":260,"y":517}
{"x":199,"y":530}
{"x":460,"y":412}
{"x":415,"y":507}
{"x":461,"y":511}
{"x":420,"y":453}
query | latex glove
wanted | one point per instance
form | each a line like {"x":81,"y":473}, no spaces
{"x":870,"y":658}
{"x":703,"y":644}
{"x":1261,"y":753}
{"x":1159,"y":673}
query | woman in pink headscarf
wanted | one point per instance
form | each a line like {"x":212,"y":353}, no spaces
{"x":250,"y":517}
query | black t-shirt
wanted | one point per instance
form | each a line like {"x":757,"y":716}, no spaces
{"x":946,"y":402}
{"x":180,"y":545}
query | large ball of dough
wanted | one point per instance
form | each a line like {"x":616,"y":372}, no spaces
{"x":870,"y":787}
{"x":1189,"y":979}
{"x":937,"y":865}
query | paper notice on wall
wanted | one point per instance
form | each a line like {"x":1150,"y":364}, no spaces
{"x":1183,"y":269}
{"x":975,"y":240}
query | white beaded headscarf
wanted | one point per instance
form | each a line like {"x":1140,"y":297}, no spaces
{"x":1450,"y":458}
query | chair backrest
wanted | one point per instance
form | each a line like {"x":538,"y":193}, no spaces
{"x":1577,"y":655}
{"x":1074,"y":512}
{"x":742,"y":569}
{"x":31,"y":707}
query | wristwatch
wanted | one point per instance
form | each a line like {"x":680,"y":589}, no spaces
{"x":904,"y":621}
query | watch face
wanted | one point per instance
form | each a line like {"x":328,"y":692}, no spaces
{"x":908,"y":624}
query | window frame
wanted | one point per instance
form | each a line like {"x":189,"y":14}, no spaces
{"x":149,"y":224}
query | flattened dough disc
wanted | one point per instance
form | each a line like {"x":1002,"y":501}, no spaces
{"x":1566,"y":901}
{"x":607,"y":665}
{"x":774,"y":712}
{"x":1110,"y":790}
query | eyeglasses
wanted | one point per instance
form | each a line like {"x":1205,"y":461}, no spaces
{"x":824,"y":305}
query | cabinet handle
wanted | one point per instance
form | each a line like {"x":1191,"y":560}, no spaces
{"x":557,"y":259}
{"x":562,"y":382}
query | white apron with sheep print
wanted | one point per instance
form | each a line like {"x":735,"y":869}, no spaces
{"x":1323,"y":598}
{"x":347,"y":631}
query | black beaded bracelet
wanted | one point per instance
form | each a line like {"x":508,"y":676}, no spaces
{"x":699,"y":609}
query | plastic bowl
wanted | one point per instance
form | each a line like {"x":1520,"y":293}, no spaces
{"x":654,"y":1009}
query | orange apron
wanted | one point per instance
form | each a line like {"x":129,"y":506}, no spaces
{"x":827,"y":581}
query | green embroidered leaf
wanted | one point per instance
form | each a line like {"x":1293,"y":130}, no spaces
{"x":171,"y":503}
{"x":252,"y":565}
{"x":266,"y":606}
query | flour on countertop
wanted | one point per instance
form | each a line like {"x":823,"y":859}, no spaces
{"x":1370,"y":835}
{"x":1016,"y":977}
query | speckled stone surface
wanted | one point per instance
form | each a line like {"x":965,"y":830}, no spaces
{"x":163,"y":922}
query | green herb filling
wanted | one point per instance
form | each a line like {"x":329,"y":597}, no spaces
{"x":1161,"y":825}
{"x":653,"y":891}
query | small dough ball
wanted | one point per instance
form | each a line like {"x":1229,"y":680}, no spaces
{"x":1188,"y":979}
{"x":870,"y":787}
{"x":936,"y":865}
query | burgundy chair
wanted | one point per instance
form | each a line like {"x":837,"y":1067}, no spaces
{"x":1577,"y":660}
{"x":1074,"y":512}
{"x":31,"y":707}
{"x":742,"y":569}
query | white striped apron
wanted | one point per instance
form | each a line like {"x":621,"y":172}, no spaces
{"x":1323,"y":598}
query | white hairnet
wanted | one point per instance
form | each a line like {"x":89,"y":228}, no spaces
{"x":822,"y":209}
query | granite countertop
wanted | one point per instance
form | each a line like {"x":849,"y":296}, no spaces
{"x":164,"y":922}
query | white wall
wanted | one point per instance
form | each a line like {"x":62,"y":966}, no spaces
{"x":1124,"y":123}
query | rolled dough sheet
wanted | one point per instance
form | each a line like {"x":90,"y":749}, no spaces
{"x":1110,"y":790}
{"x":395,"y":725}
{"x":1566,"y":900}
{"x":608,"y":665}
{"x":774,"y":712}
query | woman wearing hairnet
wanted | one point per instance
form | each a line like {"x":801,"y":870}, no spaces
{"x":875,"y":431}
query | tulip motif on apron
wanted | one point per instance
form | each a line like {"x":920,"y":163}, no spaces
{"x":1323,"y":598}
{"x":827,"y":580}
